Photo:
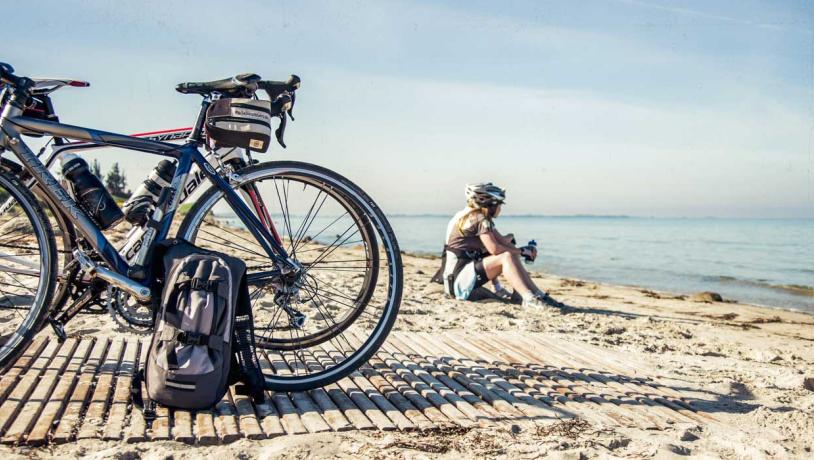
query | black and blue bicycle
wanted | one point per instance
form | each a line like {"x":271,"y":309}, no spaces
{"x":324,"y":267}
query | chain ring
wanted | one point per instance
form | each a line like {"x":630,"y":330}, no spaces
{"x":128,"y":314}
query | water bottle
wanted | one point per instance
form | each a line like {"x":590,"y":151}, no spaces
{"x":532,"y":244}
{"x":90,"y":193}
{"x":141,"y":204}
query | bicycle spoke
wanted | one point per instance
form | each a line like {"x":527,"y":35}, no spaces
{"x":286,"y":215}
{"x":228,"y":243}
{"x":305,"y":225}
{"x":236,"y":235}
{"x":330,"y":249}
{"x":326,"y":227}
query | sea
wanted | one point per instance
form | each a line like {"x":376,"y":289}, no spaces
{"x":768,"y":262}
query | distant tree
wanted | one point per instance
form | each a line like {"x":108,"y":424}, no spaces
{"x":115,"y":181}
{"x":96,"y":169}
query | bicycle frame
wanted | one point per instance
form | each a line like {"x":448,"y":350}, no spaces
{"x":13,"y":125}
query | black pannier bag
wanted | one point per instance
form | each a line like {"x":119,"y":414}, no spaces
{"x":203,"y":339}
{"x":244,"y":123}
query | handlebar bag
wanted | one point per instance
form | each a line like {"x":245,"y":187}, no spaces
{"x":244,"y":123}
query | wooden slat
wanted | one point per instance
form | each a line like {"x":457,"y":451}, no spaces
{"x":459,"y":403}
{"x":121,"y":393}
{"x":329,"y":410}
{"x":269,"y":418}
{"x":367,"y":413}
{"x":39,"y":397}
{"x":428,"y":410}
{"x":25,"y":386}
{"x":136,"y":430}
{"x":434,"y":393}
{"x":559,"y":390}
{"x":56,"y":402}
{"x":289,"y":417}
{"x":159,"y":429}
{"x":546,"y":389}
{"x":10,"y":377}
{"x":205,"y":428}
{"x":307,"y":408}
{"x":407,"y":346}
{"x":593,"y":403}
{"x":471,"y":381}
{"x":625,"y":375}
{"x":339,"y":397}
{"x":667,"y":413}
{"x":247,"y":419}
{"x":226,"y":421}
{"x":182,"y":426}
{"x":494,"y":383}
{"x":357,"y":399}
{"x":71,"y":416}
{"x":93,"y":421}
{"x":394,"y":397}
{"x":644,"y":417}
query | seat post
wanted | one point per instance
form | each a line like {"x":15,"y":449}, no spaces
{"x":199,"y":123}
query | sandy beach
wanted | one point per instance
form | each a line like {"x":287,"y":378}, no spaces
{"x":753,"y":367}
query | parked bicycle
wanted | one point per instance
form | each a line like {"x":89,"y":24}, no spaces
{"x":324,"y":268}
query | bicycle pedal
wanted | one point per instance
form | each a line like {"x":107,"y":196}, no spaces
{"x":59,"y":330}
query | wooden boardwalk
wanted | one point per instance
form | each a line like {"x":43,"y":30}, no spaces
{"x":79,"y":389}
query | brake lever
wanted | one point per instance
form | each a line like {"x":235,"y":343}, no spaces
{"x":280,"y":131}
{"x":283,"y":102}
{"x":293,"y":99}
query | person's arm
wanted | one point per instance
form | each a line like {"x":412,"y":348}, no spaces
{"x":495,"y":244}
{"x":507,"y":239}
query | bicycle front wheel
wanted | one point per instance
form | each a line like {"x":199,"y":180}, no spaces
{"x":27,"y":267}
{"x":321,"y":326}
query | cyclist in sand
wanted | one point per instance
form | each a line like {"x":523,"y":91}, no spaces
{"x":476,"y":252}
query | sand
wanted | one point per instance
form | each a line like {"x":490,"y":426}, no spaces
{"x":754,"y":366}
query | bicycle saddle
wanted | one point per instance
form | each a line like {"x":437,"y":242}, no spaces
{"x":239,"y":85}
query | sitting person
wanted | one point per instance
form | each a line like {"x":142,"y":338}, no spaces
{"x":475,"y":252}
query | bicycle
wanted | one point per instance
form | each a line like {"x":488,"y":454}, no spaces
{"x":320,"y":308}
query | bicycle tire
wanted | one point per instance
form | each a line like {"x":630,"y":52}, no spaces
{"x":372,"y":212}
{"x":67,"y":233}
{"x":37,"y":314}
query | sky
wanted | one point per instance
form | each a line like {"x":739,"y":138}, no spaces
{"x":636,"y":107}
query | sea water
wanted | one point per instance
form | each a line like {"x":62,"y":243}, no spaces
{"x":760,"y":261}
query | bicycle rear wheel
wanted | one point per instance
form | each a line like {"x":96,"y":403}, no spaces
{"x":27,"y":267}
{"x":349,"y":294}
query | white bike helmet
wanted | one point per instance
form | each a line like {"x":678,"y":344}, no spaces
{"x":485,"y":195}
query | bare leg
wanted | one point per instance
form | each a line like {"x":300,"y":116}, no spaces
{"x":509,"y":265}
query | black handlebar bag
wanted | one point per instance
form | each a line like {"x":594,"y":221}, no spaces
{"x":243,"y":123}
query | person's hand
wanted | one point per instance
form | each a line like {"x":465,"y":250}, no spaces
{"x":529,"y":253}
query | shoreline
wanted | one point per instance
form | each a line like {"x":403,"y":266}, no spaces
{"x":429,"y":256}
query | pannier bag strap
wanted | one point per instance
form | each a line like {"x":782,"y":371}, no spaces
{"x":147,"y":405}
{"x":247,"y":361}
{"x":171,"y":334}
{"x":199,"y":284}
